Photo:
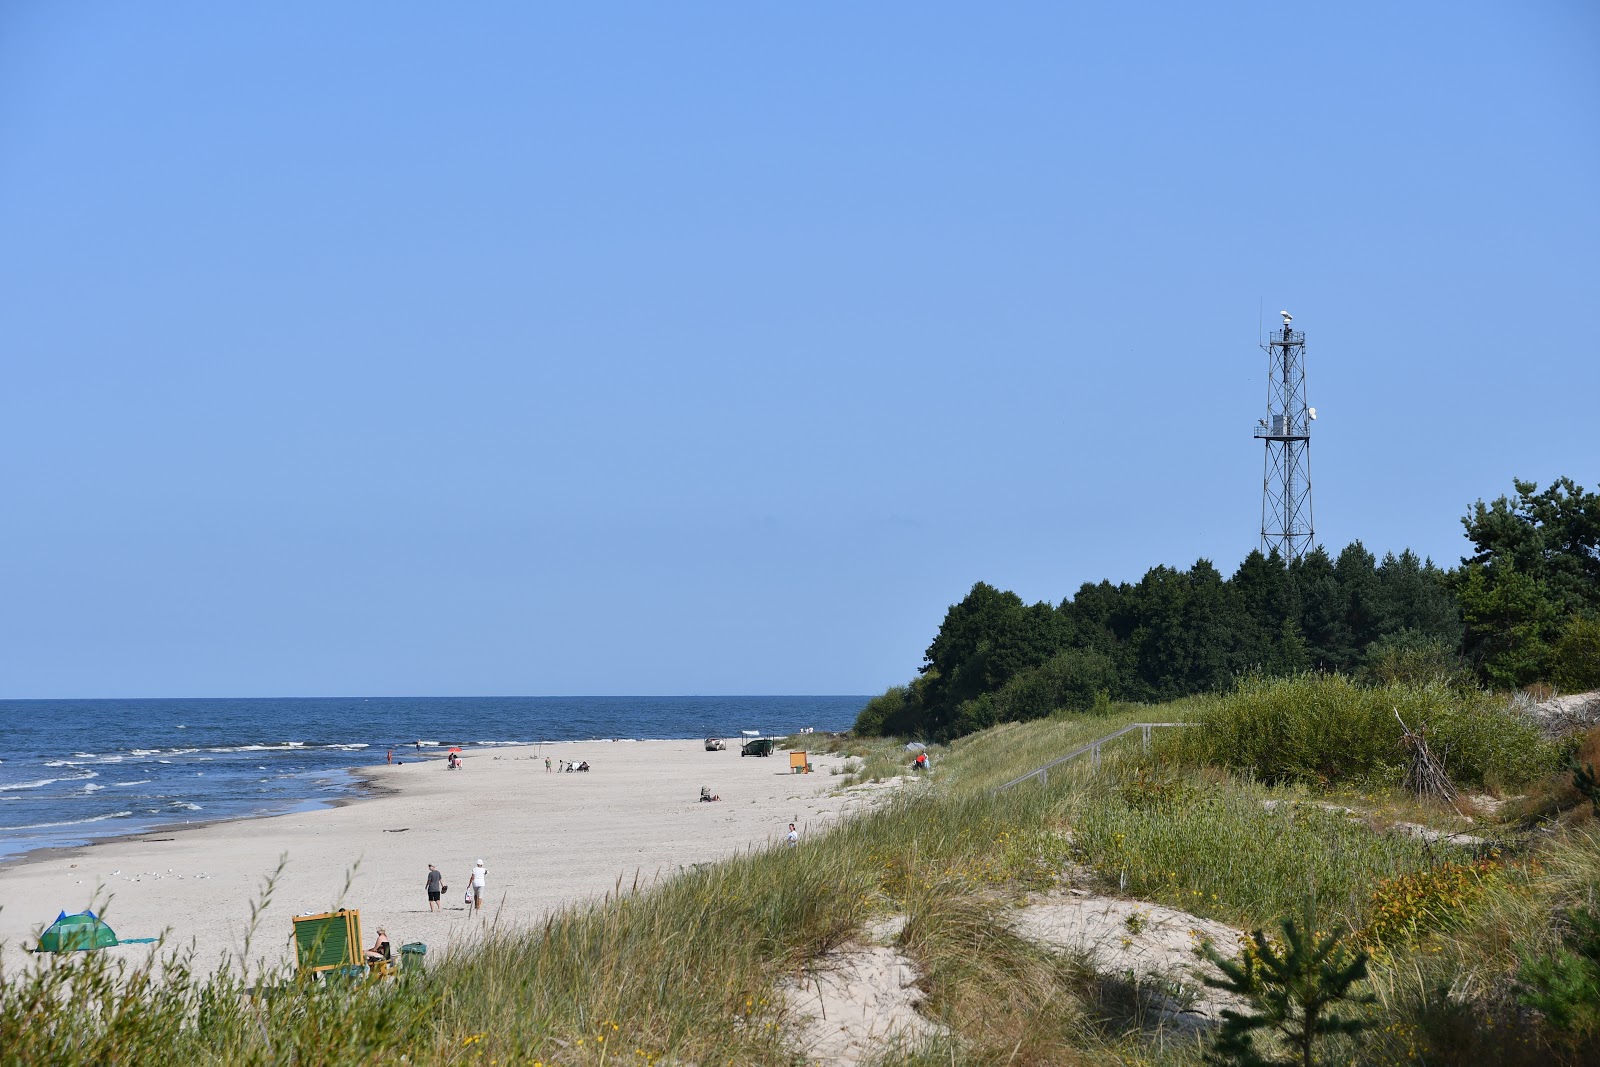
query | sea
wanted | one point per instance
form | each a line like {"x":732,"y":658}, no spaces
{"x":77,"y":771}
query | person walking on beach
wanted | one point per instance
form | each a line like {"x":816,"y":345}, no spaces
{"x":435,"y":888}
{"x":547,"y":765}
{"x":794,"y":836}
{"x":479,"y":880}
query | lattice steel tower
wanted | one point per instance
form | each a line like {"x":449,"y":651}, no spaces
{"x":1286,"y":474}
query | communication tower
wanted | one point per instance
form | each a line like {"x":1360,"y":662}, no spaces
{"x":1286,"y":473}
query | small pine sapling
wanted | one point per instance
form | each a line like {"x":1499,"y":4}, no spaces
{"x":1583,"y":780}
{"x":1293,"y":990}
{"x":1565,"y":987}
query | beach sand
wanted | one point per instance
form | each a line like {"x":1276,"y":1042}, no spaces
{"x":548,"y":840}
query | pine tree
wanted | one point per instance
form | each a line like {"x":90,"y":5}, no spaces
{"x":1293,"y":989}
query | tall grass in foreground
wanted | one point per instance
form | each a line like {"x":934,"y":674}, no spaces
{"x":680,"y":971}
{"x":685,"y":970}
{"x":1323,"y":729}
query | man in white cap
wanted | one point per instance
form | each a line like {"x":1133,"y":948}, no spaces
{"x":479,"y":880}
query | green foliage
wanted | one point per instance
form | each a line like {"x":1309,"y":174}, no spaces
{"x":1583,"y":780}
{"x":1068,"y":681}
{"x":1323,"y":729}
{"x":1295,"y":988}
{"x":1565,"y":985}
{"x":1575,"y":659}
{"x":1509,"y":621}
{"x":1537,"y":562}
{"x":1552,"y":538}
{"x":1223,"y":852}
{"x":1408,"y":657}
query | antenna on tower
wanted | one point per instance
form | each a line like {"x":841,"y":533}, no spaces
{"x":1286,"y":472}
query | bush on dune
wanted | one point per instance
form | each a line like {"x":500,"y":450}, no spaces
{"x":1322,"y":729}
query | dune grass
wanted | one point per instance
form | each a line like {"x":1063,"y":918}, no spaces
{"x":1325,"y":730}
{"x":686,"y":970}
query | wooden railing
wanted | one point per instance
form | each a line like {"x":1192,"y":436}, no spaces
{"x":1093,"y":749}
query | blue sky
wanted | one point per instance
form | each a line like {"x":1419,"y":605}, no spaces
{"x":517,"y":349}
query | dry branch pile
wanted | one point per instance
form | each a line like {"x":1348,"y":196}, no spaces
{"x":1425,"y":773}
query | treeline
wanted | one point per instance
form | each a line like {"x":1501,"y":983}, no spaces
{"x":1524,"y":607}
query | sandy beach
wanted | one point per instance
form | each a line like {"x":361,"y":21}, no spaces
{"x":548,"y":840}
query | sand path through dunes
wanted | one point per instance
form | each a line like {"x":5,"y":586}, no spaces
{"x":548,"y":839}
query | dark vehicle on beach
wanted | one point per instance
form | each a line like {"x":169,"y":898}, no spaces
{"x":761,"y":746}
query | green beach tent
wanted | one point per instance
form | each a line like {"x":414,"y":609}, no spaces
{"x":76,"y":933}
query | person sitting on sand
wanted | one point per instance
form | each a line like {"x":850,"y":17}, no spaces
{"x":380,"y":947}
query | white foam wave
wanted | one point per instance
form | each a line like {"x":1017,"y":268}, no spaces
{"x":42,"y":782}
{"x":92,"y":788}
{"x":185,"y":805}
{"x":69,"y":822}
{"x":141,"y":781}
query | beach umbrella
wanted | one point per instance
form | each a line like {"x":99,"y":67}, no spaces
{"x":456,"y":749}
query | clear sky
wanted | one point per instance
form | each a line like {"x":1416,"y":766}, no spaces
{"x":687,"y":348}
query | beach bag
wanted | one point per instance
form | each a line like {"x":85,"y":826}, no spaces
{"x":443,"y":889}
{"x":468,"y":898}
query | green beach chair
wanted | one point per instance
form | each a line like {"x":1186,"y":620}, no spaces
{"x":329,"y":942}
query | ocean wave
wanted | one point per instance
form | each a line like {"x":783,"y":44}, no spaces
{"x":185,"y":805}
{"x":69,"y":822}
{"x":141,"y":781}
{"x":42,"y":782}
{"x":92,"y":788}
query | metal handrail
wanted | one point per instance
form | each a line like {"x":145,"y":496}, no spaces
{"x":1093,"y":748}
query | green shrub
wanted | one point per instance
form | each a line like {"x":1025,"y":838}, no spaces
{"x":1565,"y":985}
{"x":1323,"y":730}
{"x":894,"y":712}
{"x":1408,"y":657}
{"x":1068,"y":681}
{"x":1576,"y":656}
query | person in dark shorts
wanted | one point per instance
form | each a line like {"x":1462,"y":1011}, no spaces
{"x":435,"y":888}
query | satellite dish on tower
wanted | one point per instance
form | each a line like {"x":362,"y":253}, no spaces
{"x":1313,"y":413}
